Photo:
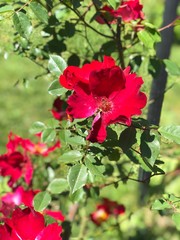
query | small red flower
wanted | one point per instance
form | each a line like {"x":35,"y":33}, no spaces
{"x":99,"y":216}
{"x":105,"y":210}
{"x":106,"y":15}
{"x":16,"y":165}
{"x":108,"y":93}
{"x":39,"y":148}
{"x":57,"y":110}
{"x":29,"y":224}
{"x":113,"y":207}
{"x":128,"y":10}
{"x":14,"y":142}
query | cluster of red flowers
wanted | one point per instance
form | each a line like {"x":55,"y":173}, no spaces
{"x":106,"y":209}
{"x":16,"y":163}
{"x":105,"y":91}
{"x":128,"y":10}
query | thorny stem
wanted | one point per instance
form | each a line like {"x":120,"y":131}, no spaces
{"x":72,"y":211}
{"x":116,"y":37}
{"x":83,"y":20}
{"x":87,"y":10}
{"x":27,"y":3}
{"x":169,"y":25}
{"x":119,"y":43}
{"x":129,"y":178}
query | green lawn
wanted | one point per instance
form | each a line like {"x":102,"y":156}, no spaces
{"x":24,"y":99}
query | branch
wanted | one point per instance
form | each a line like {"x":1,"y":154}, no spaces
{"x":119,"y":44}
{"x":116,"y":37}
{"x":132,"y":179}
{"x":169,"y":25}
{"x":83,"y":20}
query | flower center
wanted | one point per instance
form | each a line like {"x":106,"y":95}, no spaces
{"x":105,"y":104}
{"x":39,"y":149}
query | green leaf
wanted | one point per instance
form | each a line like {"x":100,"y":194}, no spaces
{"x":171,"y":132}
{"x":56,"y":65}
{"x":4,"y":187}
{"x":160,"y":204}
{"x":56,"y":89}
{"x":112,"y":3}
{"x":48,"y":135}
{"x":77,"y":140}
{"x":177,"y":22}
{"x":149,"y":36}
{"x":71,"y":156}
{"x":64,"y":135}
{"x":176,"y":220}
{"x":127,"y":138}
{"x":171,"y":67}
{"x":134,"y":157}
{"x":41,"y":201}
{"x":39,"y":11}
{"x":150,"y":148}
{"x":76,"y":3}
{"x":37,"y":127}
{"x":52,"y":123}
{"x":92,"y":168}
{"x":7,"y":8}
{"x":58,"y":185}
{"x":22,"y":24}
{"x":77,"y":177}
{"x":78,"y":195}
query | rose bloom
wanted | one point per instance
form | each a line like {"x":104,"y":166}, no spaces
{"x":21,"y":196}
{"x":57,"y":111}
{"x":106,"y":209}
{"x":39,"y":148}
{"x":105,"y":91}
{"x":128,"y":10}
{"x":29,"y":224}
{"x":16,"y":165}
{"x":106,"y":15}
{"x":99,"y":216}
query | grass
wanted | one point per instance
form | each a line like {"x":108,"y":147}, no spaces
{"x":24,"y":99}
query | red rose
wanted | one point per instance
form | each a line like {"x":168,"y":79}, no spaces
{"x":29,"y":224}
{"x":108,"y":93}
{"x":128,"y":10}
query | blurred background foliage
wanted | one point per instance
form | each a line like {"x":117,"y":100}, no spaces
{"x":24,"y":100}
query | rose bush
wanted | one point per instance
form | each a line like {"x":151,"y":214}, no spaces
{"x":84,"y":172}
